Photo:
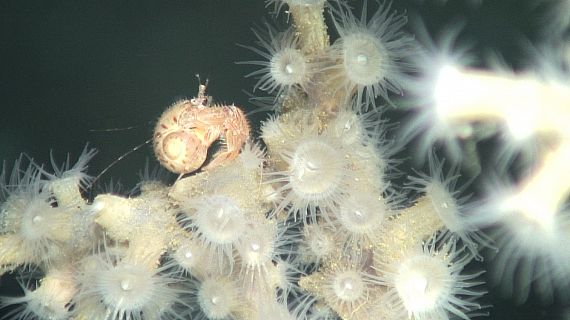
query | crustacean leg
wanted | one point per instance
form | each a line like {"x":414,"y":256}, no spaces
{"x":235,"y":133}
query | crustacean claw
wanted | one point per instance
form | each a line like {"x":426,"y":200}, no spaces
{"x":187,"y":129}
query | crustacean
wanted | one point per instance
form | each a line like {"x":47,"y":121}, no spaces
{"x":188,"y":128}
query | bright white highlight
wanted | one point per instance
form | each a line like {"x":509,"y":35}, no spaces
{"x":525,"y":105}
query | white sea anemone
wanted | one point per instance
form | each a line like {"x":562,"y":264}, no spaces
{"x":360,"y":218}
{"x":219,"y":223}
{"x":438,"y":63}
{"x":188,"y":257}
{"x":125,"y":290}
{"x":50,"y":299}
{"x":218,"y":298}
{"x":533,"y":241}
{"x":429,"y":283}
{"x":252,"y":156}
{"x":345,"y":285}
{"x":256,"y":249}
{"x":68,"y":179}
{"x":449,"y":204}
{"x":284,"y":67}
{"x":317,"y":176}
{"x":319,"y":243}
{"x":31,"y":221}
{"x":370,"y":55}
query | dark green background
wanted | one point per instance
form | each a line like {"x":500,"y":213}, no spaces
{"x":70,"y":67}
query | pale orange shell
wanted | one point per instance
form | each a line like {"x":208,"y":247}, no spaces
{"x":188,"y":128}
{"x":176,"y":147}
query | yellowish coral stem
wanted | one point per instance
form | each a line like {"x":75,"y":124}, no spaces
{"x":310,"y":25}
{"x":407,"y":231}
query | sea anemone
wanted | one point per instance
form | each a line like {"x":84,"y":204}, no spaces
{"x":218,"y":298}
{"x":430,"y":283}
{"x":431,"y":90}
{"x":369,"y":58}
{"x":188,"y":257}
{"x":116,"y":288}
{"x":317,"y":176}
{"x":449,"y":204}
{"x":318,"y":244}
{"x":218,"y":223}
{"x":532,"y":238}
{"x":32,"y":222}
{"x":256,"y":249}
{"x":345,"y":285}
{"x":51,"y":299}
{"x":360,"y":218}
{"x":284,"y":67}
{"x":68,"y":180}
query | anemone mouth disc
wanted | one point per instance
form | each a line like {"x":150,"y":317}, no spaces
{"x":364,"y":59}
{"x":220,"y":220}
{"x":349,"y":286}
{"x":288,"y":67}
{"x":316,"y":169}
{"x":423,"y":283}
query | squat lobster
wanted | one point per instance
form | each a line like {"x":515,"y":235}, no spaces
{"x":188,"y":128}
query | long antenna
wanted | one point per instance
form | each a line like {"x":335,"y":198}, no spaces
{"x":117,"y":160}
{"x":120,"y":129}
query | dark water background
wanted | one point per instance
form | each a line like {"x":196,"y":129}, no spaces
{"x":69,"y":68}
